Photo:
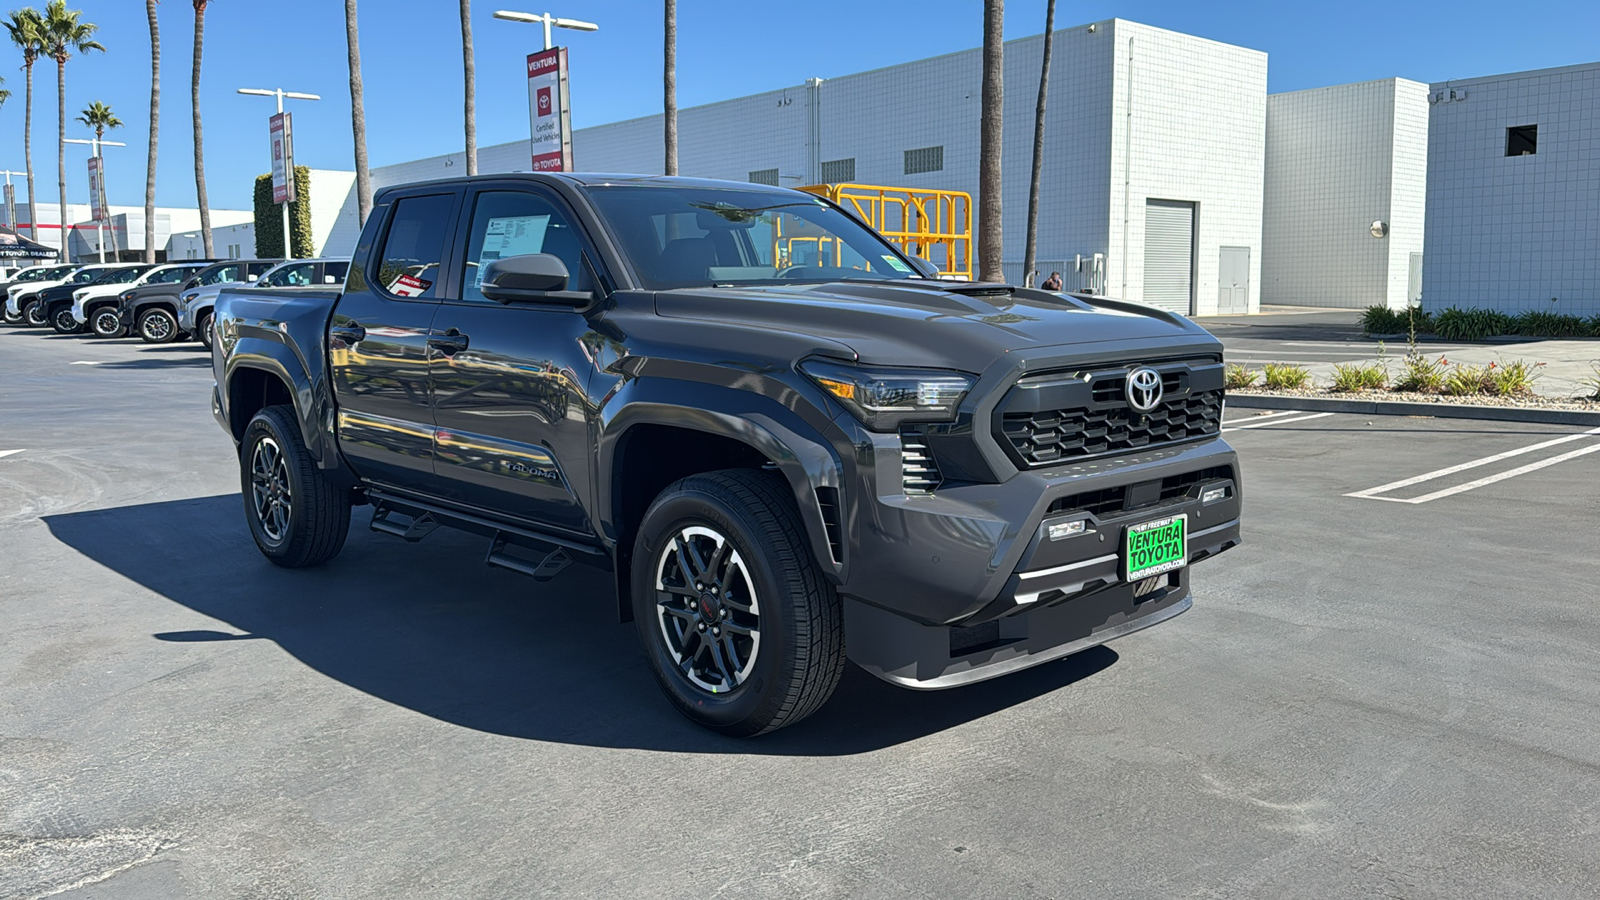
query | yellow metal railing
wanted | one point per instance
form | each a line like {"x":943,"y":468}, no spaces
{"x":935,"y":225}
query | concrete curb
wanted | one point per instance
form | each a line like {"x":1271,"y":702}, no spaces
{"x":1401,"y":408}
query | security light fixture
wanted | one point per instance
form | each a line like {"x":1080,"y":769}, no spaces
{"x":1379,"y":229}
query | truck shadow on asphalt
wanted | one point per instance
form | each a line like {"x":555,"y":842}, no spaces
{"x":430,"y":628}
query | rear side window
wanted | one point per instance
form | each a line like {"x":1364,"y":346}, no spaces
{"x":413,"y":249}
{"x":257,"y":269}
{"x":334,"y":272}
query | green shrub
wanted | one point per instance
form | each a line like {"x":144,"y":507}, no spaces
{"x":1285,"y":377}
{"x":1382,"y":320}
{"x":1592,"y":383}
{"x":1463,"y":380}
{"x":1511,"y":379}
{"x":1359,"y":377}
{"x":1454,"y":324}
{"x":1594,"y":326}
{"x":1238,"y":376}
{"x":269,"y":219}
{"x":1547,"y":324}
{"x":1421,"y":375}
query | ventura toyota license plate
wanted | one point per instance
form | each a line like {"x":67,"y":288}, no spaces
{"x":1151,"y":548}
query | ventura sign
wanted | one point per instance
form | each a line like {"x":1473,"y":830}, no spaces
{"x":548,"y":111}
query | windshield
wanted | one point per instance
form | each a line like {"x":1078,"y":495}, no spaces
{"x":168,"y":276}
{"x":694,"y":237}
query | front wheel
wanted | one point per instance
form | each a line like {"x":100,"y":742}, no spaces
{"x":106,"y":323}
{"x":34,"y":314}
{"x":64,"y":323}
{"x":297,"y":516}
{"x":741,"y":629}
{"x":157,"y":326}
{"x":202,"y":329}
{"x":11,"y":318}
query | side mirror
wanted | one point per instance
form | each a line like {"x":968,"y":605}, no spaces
{"x":924,"y":268}
{"x":532,"y":277}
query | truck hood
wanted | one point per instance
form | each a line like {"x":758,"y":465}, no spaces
{"x":962,"y":325}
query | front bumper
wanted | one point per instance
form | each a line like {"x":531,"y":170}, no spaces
{"x":965,"y":583}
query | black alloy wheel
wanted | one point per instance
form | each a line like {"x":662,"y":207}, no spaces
{"x":202,"y":329}
{"x":741,"y":629}
{"x":157,"y":326}
{"x":297,"y":516}
{"x":10,"y":317}
{"x":64,"y":323}
{"x":34,"y":314}
{"x":106,"y":322}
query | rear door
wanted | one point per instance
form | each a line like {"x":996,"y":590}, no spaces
{"x":510,"y":398}
{"x":378,"y":339}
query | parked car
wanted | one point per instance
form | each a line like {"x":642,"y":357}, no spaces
{"x":152,"y":313}
{"x":27,"y":300}
{"x":27,"y":279}
{"x":783,"y":464}
{"x":55,"y":304}
{"x":96,"y":305}
{"x":194,"y":316}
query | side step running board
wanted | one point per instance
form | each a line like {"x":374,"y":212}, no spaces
{"x":414,"y":530}
{"x":542,"y":569}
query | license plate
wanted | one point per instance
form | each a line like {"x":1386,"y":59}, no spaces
{"x":1152,"y":548}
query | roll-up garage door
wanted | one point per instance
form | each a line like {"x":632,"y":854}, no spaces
{"x":1169,"y":254}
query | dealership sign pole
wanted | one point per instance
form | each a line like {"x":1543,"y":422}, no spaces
{"x":549,"y":112}
{"x":98,"y":211}
{"x":282,"y":134}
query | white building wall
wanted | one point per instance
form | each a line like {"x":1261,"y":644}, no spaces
{"x":236,"y":241}
{"x":333,"y":211}
{"x":1198,"y":129}
{"x":1338,"y":159}
{"x":1511,"y":233}
{"x":85,"y":242}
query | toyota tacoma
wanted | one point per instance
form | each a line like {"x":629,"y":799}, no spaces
{"x":789,"y":441}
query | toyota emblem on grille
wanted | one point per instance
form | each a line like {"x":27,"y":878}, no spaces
{"x":1144,"y":389}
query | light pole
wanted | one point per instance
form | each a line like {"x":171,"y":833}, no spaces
{"x":99,"y":235}
{"x":545,"y":19}
{"x":281,"y":94}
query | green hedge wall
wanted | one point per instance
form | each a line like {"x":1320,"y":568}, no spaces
{"x":269,"y":220}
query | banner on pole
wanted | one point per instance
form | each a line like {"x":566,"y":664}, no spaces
{"x":549,"y":114}
{"x":282,"y":159}
{"x":97,"y":189}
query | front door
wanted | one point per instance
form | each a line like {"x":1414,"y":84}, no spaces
{"x":1233,"y":281}
{"x":378,"y":341}
{"x":510,"y":399}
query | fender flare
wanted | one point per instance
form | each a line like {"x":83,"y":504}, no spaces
{"x":277,"y":359}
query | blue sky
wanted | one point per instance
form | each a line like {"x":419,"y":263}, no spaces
{"x":411,"y":56}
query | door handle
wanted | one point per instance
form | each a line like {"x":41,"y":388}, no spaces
{"x":450,"y":342}
{"x":350,"y":334}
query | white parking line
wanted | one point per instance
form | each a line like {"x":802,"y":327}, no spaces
{"x":6,"y":453}
{"x":1287,"y":412}
{"x":86,"y":362}
{"x":1372,"y":493}
{"x":1277,"y":422}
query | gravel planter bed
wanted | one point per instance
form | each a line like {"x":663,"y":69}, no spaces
{"x":1526,"y":401}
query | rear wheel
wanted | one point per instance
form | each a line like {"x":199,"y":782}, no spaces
{"x":64,"y":323}
{"x":106,"y":323}
{"x":741,"y":629}
{"x":157,"y":326}
{"x":297,"y":516}
{"x":34,"y":314}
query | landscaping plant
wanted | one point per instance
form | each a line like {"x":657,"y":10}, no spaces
{"x":1421,"y":375}
{"x":1349,"y":377}
{"x":1454,"y":324}
{"x":1286,"y":377}
{"x":1238,"y":376}
{"x":1513,"y":379}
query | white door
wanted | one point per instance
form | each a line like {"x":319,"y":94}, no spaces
{"x":1233,"y":281}
{"x":1169,"y":254}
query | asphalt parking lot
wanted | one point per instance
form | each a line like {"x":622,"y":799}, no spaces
{"x":1390,"y":694}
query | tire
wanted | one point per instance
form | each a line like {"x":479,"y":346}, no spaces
{"x":297,"y":516}
{"x":778,"y":615}
{"x":33,"y":314}
{"x":64,"y":323}
{"x":105,"y":322}
{"x":157,"y":326}
{"x":9,"y":318}
{"x":202,"y":329}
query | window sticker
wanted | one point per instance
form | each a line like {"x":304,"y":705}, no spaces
{"x":510,"y":236}
{"x":409,"y":286}
{"x":895,"y":263}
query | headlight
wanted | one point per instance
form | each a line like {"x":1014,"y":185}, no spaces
{"x":79,"y":295}
{"x":126,"y":296}
{"x":189,"y":298}
{"x":882,"y":398}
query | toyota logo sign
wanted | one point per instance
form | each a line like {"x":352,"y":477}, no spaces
{"x":1144,"y":389}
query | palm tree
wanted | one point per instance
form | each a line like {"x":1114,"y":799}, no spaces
{"x":669,"y":83}
{"x":470,"y":68}
{"x":27,"y":32}
{"x":991,"y":123}
{"x":4,"y":94}
{"x":199,"y":142}
{"x":99,"y":116}
{"x":358,"y":115}
{"x":155,"y":127}
{"x":1031,"y":246}
{"x":63,"y":34}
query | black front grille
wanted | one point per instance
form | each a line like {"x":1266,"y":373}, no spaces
{"x":1053,"y":419}
{"x":1110,"y":501}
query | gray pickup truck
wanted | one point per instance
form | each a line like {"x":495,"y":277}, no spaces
{"x":789,"y":441}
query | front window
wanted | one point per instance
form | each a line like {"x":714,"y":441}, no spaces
{"x":219,"y":275}
{"x":288,"y":276}
{"x":84,"y":276}
{"x":168,"y":276}
{"x":122,"y":276}
{"x":695,"y":237}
